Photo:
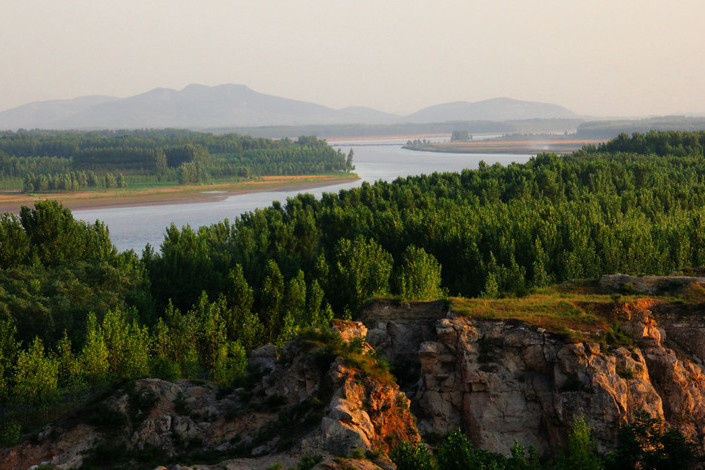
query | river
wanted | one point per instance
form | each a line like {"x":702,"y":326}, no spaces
{"x":133,"y":227}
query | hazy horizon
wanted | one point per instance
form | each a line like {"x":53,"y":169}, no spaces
{"x":595,"y":58}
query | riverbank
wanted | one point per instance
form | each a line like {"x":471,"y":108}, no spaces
{"x":527,"y":146}
{"x":12,"y":201}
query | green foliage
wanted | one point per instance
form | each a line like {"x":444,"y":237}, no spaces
{"x":271,"y":298}
{"x":9,"y":347}
{"x":457,"y":453}
{"x":645,"y":444}
{"x":70,"y":181}
{"x":70,"y":373}
{"x":662,"y":143}
{"x":95,"y":355}
{"x":412,"y":456}
{"x":491,"y":290}
{"x":36,"y":375}
{"x":308,"y":461}
{"x":581,"y":450}
{"x":14,"y":242}
{"x":211,"y":333}
{"x":615,"y":336}
{"x":70,"y":160}
{"x":330,"y":345}
{"x":127,"y":344}
{"x":362,"y":269}
{"x":419,"y":276}
{"x":240,"y":298}
{"x":10,"y":432}
{"x":55,"y":236}
{"x":518,"y":460}
{"x":162,"y":368}
{"x":496,"y":231}
{"x":175,"y":341}
{"x":58,"y":269}
{"x":230,"y":365}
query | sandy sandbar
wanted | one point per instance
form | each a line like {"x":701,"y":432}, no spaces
{"x":12,"y":201}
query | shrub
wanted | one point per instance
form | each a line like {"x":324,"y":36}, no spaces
{"x":419,"y":276}
{"x":456,"y":453}
{"x":581,"y":450}
{"x":625,"y":372}
{"x":163,"y":368}
{"x":411,"y":456}
{"x":643,"y":444}
{"x":518,"y":460}
{"x":231,"y":364}
{"x":10,"y":432}
{"x":36,"y":375}
{"x":308,"y":461}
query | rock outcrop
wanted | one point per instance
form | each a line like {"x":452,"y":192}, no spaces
{"x":647,"y":285}
{"x":506,"y":380}
{"x":309,"y":401}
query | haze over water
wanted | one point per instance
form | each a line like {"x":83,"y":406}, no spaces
{"x":135,"y":226}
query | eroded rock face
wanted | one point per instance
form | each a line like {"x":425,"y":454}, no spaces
{"x":501,"y":381}
{"x":306,"y":403}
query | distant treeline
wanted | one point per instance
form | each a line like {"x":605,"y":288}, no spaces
{"x":675,"y":143}
{"x":186,"y":156}
{"x":406,"y":129}
{"x":610,"y":129}
{"x":71,"y":181}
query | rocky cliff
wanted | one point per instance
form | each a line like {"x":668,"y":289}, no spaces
{"x":319,"y":398}
{"x":508,"y":379}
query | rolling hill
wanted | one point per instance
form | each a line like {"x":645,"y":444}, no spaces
{"x":229,"y":106}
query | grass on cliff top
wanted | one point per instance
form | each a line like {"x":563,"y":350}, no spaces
{"x":577,"y":311}
{"x":353,"y":352}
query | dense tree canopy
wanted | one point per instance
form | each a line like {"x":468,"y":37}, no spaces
{"x":52,"y":161}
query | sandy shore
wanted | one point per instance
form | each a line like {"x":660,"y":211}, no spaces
{"x":386,"y":137}
{"x":560,"y":146}
{"x":12,"y":201}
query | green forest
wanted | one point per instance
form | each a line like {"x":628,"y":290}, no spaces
{"x":58,"y":161}
{"x":77,"y":315}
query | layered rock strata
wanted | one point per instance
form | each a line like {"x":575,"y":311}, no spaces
{"x":506,"y":380}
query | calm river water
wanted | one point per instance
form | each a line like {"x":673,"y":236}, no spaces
{"x":134,"y":227}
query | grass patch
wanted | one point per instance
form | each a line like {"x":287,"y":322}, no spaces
{"x":576,"y":312}
{"x":625,"y":372}
{"x":557,"y":312}
{"x":615,"y":336}
{"x":330,"y":345}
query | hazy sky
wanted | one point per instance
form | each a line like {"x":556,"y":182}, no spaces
{"x":597,"y":57}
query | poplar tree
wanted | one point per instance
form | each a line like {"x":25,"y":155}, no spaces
{"x":36,"y":375}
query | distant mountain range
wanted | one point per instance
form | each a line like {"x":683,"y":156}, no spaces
{"x":199,"y":107}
